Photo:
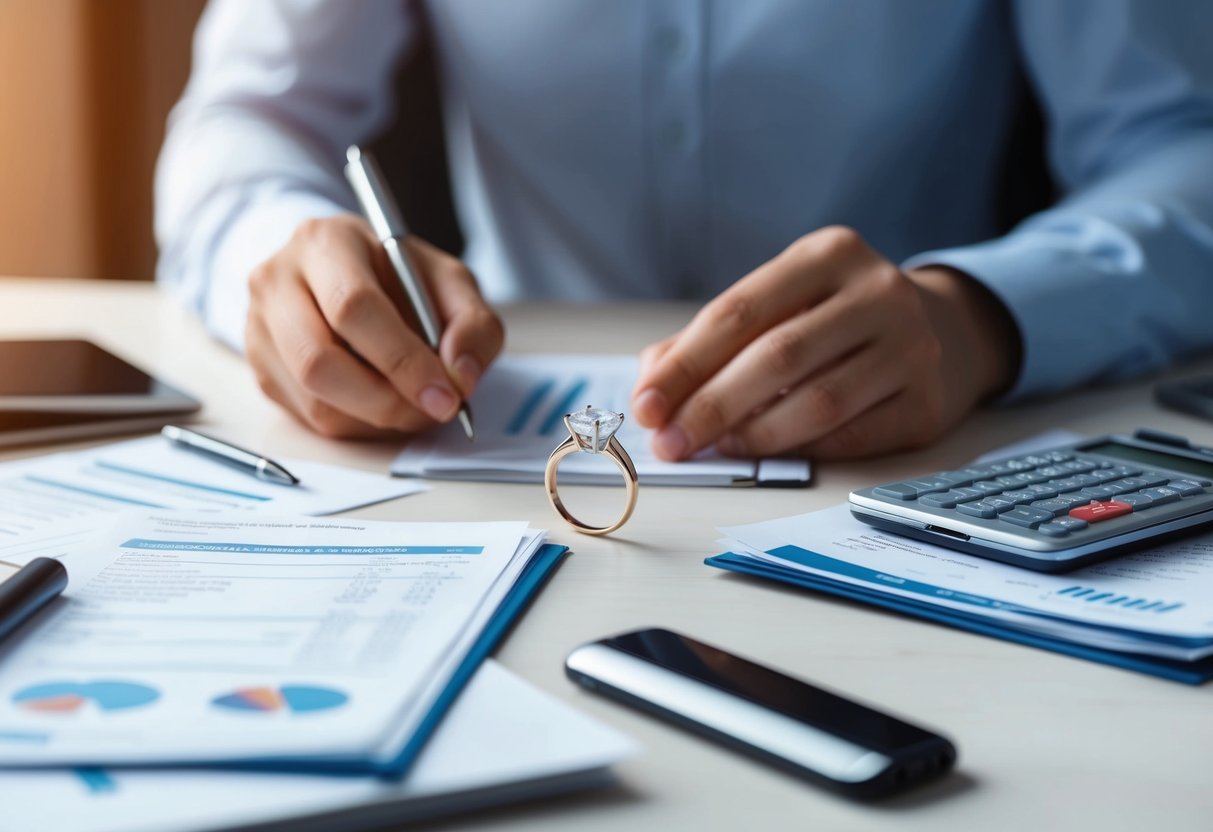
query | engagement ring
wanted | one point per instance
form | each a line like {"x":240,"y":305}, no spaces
{"x":592,"y":431}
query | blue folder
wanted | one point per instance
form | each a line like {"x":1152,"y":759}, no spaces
{"x":1192,"y":673}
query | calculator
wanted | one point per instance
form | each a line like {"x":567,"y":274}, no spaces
{"x":1056,"y":509}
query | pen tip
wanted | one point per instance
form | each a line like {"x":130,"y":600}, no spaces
{"x":465,"y":419}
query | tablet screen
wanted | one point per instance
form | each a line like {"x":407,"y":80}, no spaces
{"x":67,"y":368}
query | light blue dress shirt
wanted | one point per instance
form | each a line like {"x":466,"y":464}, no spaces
{"x":618,"y":148}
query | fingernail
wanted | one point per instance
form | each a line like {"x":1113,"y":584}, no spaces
{"x":439,"y":402}
{"x":468,"y":370}
{"x":650,"y":407}
{"x":671,"y":442}
{"x":732,"y":445}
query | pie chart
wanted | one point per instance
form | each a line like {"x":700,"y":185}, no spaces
{"x":295,"y":699}
{"x":69,"y":697}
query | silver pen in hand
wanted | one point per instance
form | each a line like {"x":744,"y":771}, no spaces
{"x":382,"y":213}
{"x":253,"y":464}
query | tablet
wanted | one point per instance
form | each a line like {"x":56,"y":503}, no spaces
{"x":65,"y":388}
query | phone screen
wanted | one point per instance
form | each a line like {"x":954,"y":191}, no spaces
{"x":772,"y":689}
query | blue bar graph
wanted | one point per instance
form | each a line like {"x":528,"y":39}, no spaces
{"x":556,"y":415}
{"x":152,"y":475}
{"x":529,"y":405}
{"x":91,"y":492}
{"x":1111,"y":599}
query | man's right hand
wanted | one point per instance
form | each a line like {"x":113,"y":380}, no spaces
{"x":330,"y":335}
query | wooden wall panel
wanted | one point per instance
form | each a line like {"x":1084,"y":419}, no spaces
{"x":85,"y":86}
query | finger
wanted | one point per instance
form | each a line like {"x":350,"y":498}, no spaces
{"x":473,"y":334}
{"x":274,"y":379}
{"x":800,"y":277}
{"x":775,"y":362}
{"x":889,"y":425}
{"x":343,"y":278}
{"x":647,"y":407}
{"x":822,"y":403}
{"x":325,"y":370}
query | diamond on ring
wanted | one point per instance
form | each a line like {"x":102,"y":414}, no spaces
{"x":594,"y":427}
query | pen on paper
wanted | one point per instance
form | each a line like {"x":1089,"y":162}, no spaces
{"x":383,"y":214}
{"x":249,"y":462}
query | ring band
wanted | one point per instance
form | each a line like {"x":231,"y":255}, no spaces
{"x":588,"y":440}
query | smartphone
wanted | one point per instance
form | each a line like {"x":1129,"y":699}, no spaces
{"x":798,"y":727}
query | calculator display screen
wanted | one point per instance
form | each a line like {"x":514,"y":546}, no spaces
{"x":1131,"y":453}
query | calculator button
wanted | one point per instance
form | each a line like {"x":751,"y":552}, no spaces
{"x":1137,"y":501}
{"x":1078,"y":466}
{"x":911,"y":489}
{"x":1098,"y":512}
{"x":999,"y":503}
{"x":1059,"y":456}
{"x":1132,"y":483}
{"x":1126,"y":471}
{"x":978,"y":508}
{"x":1026,"y":516}
{"x":949,"y":499}
{"x":1020,"y":479}
{"x":1020,"y":496}
{"x":1061,"y":527}
{"x":956,"y":478}
{"x":1105,"y":475}
{"x":1066,"y":484}
{"x":1098,"y":492}
{"x":1042,"y":491}
{"x":1154,"y":478}
{"x":1037,"y":461}
{"x":1055,"y":506}
{"x":1163,"y":495}
{"x":1017,"y":464}
{"x":988,"y":487}
{"x":1186,"y":487}
{"x":1052,"y":471}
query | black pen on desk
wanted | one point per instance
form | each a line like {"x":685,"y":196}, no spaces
{"x":28,"y":590}
{"x":251,"y":463}
{"x":382,"y":213}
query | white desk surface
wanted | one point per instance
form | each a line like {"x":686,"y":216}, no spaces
{"x":1046,"y":741}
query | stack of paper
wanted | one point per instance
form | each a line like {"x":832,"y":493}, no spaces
{"x":520,"y":408}
{"x":286,"y":642}
{"x":1151,"y":611}
{"x":503,"y":741}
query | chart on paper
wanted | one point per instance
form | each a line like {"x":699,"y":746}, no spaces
{"x":520,"y":408}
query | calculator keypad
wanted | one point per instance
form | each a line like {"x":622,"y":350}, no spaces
{"x":1054,"y":494}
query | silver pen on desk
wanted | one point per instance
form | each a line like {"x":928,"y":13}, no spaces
{"x":251,"y":463}
{"x":380,"y":209}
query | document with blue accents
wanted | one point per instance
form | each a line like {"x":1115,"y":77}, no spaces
{"x":1150,"y":611}
{"x":292,"y":643}
{"x":520,"y":407}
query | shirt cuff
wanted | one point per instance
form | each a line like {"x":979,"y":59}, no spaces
{"x":252,"y":237}
{"x":1059,"y":299}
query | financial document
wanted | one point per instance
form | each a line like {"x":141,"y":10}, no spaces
{"x":47,"y":504}
{"x":197,"y":637}
{"x":503,"y":740}
{"x":1156,"y":602}
{"x":520,"y":408}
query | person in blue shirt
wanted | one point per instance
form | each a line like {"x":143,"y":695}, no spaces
{"x":826,"y":177}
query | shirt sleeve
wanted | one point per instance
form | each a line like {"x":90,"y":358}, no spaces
{"x":278,"y":90}
{"x":1116,"y":280}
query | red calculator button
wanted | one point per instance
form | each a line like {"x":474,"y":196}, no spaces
{"x":1096,"y":512}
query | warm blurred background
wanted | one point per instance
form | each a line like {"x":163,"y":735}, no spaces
{"x":85,"y":86}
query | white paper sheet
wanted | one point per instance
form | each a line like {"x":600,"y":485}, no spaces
{"x":203,"y":637}
{"x":48,"y":503}
{"x":519,"y":408}
{"x":501,"y":735}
